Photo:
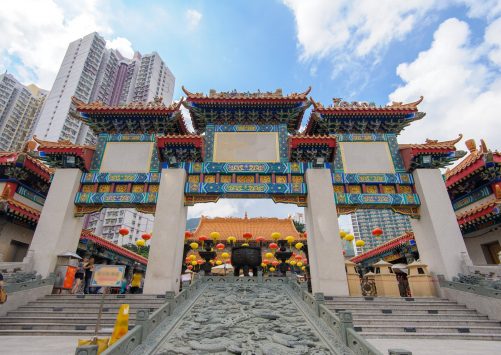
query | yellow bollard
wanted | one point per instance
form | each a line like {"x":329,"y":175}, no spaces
{"x":121,"y":324}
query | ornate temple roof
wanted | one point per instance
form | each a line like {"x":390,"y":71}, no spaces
{"x":473,"y":163}
{"x":19,"y":210}
{"x":53,"y":153}
{"x":234,"y":226}
{"x":309,"y":148}
{"x":88,"y":235}
{"x":440,"y":154}
{"x":383,"y":248}
{"x":361,"y":117}
{"x":246,"y":108}
{"x":26,"y":162}
{"x":182,"y":148}
{"x":136,"y":117}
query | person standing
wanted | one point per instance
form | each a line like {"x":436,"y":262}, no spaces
{"x":79,"y":277}
{"x":89,"y":269}
{"x":135,"y":284}
{"x":3,"y":293}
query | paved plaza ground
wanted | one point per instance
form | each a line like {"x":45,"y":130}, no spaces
{"x":439,"y":346}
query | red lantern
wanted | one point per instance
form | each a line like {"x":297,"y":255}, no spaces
{"x":298,"y":257}
{"x":266,"y":262}
{"x":200,"y":262}
{"x":123,"y":232}
{"x":273,"y":246}
{"x":275,"y":263}
{"x":260,"y":239}
{"x":202,"y":238}
{"x":247,"y":235}
{"x":305,"y":235}
{"x":220,"y":246}
{"x":187,"y":235}
{"x":146,"y":236}
{"x":344,"y":252}
{"x":190,"y":267}
{"x":377,"y":231}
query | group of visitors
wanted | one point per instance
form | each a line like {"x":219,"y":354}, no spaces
{"x":83,"y":278}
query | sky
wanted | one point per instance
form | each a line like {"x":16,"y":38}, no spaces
{"x":381,"y":51}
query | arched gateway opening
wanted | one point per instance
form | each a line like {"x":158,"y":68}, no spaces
{"x":248,"y":145}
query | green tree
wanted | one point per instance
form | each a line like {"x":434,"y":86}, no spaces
{"x":299,"y":226}
{"x":143,"y":251}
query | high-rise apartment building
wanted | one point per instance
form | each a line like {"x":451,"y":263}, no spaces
{"x":20,"y":105}
{"x":91,"y":72}
{"x":108,"y":222}
{"x":365,"y":220}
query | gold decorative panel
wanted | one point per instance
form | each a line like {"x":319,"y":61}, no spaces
{"x":265,"y":179}
{"x":153,"y":188}
{"x":210,"y":178}
{"x":354,"y":189}
{"x":88,"y":188}
{"x":138,"y":188}
{"x":338,"y":188}
{"x":281,"y":179}
{"x":104,"y":188}
{"x":405,"y":189}
{"x":225,"y":179}
{"x":371,"y":189}
{"x":388,"y":189}
{"x":194,"y":178}
{"x":245,"y":179}
{"x":121,"y":188}
{"x":297,"y":179}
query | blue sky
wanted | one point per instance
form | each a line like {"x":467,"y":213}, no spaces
{"x":448,"y":51}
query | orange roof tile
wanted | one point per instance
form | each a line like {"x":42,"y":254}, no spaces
{"x":156,"y":106}
{"x":433,"y":144}
{"x":60,"y":144}
{"x":277,"y":95}
{"x":233,"y":226}
{"x":339,"y":105}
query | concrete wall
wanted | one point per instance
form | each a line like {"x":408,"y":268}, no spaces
{"x":21,"y":298}
{"x":474,"y":244}
{"x":488,"y":306}
{"x":12,"y":232}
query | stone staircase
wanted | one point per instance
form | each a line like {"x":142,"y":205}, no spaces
{"x":414,"y":318}
{"x":73,"y":314}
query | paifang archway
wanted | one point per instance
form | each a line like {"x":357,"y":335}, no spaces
{"x":248,"y":145}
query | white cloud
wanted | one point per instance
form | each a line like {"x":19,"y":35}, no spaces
{"x":193,"y":18}
{"x":223,"y":208}
{"x":354,"y":26}
{"x":462,"y":89}
{"x":36,"y":33}
{"x":123,"y":45}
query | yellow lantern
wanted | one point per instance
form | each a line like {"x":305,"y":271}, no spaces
{"x":349,"y":237}
{"x":268,"y":255}
{"x":218,"y":262}
{"x":299,"y":263}
{"x":194,"y":263}
{"x":245,"y":244}
{"x":194,"y":245}
{"x":303,"y":268}
{"x":275,"y":235}
{"x":289,"y":239}
{"x":263,"y":265}
{"x":231,"y":240}
{"x":215,"y":235}
{"x":292,"y":262}
{"x":299,"y":246}
{"x":360,"y":243}
{"x":272,"y":269}
{"x":225,"y":255}
{"x":192,"y":257}
{"x":140,"y":243}
{"x":342,"y":234}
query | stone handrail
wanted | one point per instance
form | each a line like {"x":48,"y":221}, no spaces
{"x":21,"y":286}
{"x":476,"y":289}
{"x":359,"y":345}
{"x":13,"y":266}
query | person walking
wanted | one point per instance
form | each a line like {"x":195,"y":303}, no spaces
{"x":79,"y":278}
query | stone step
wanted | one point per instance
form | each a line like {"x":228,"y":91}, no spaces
{"x":70,"y":313}
{"x":384,"y":329}
{"x":95,"y":303}
{"x":386,"y":299}
{"x":386,"y":303}
{"x":111,"y":296}
{"x":391,"y":317}
{"x":404,"y":321}
{"x":52,"y":326}
{"x":348,"y":307}
{"x":55,"y":332}
{"x":441,"y":335}
{"x":68,"y":319}
{"x":407,"y":310}
{"x":81,"y":309}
